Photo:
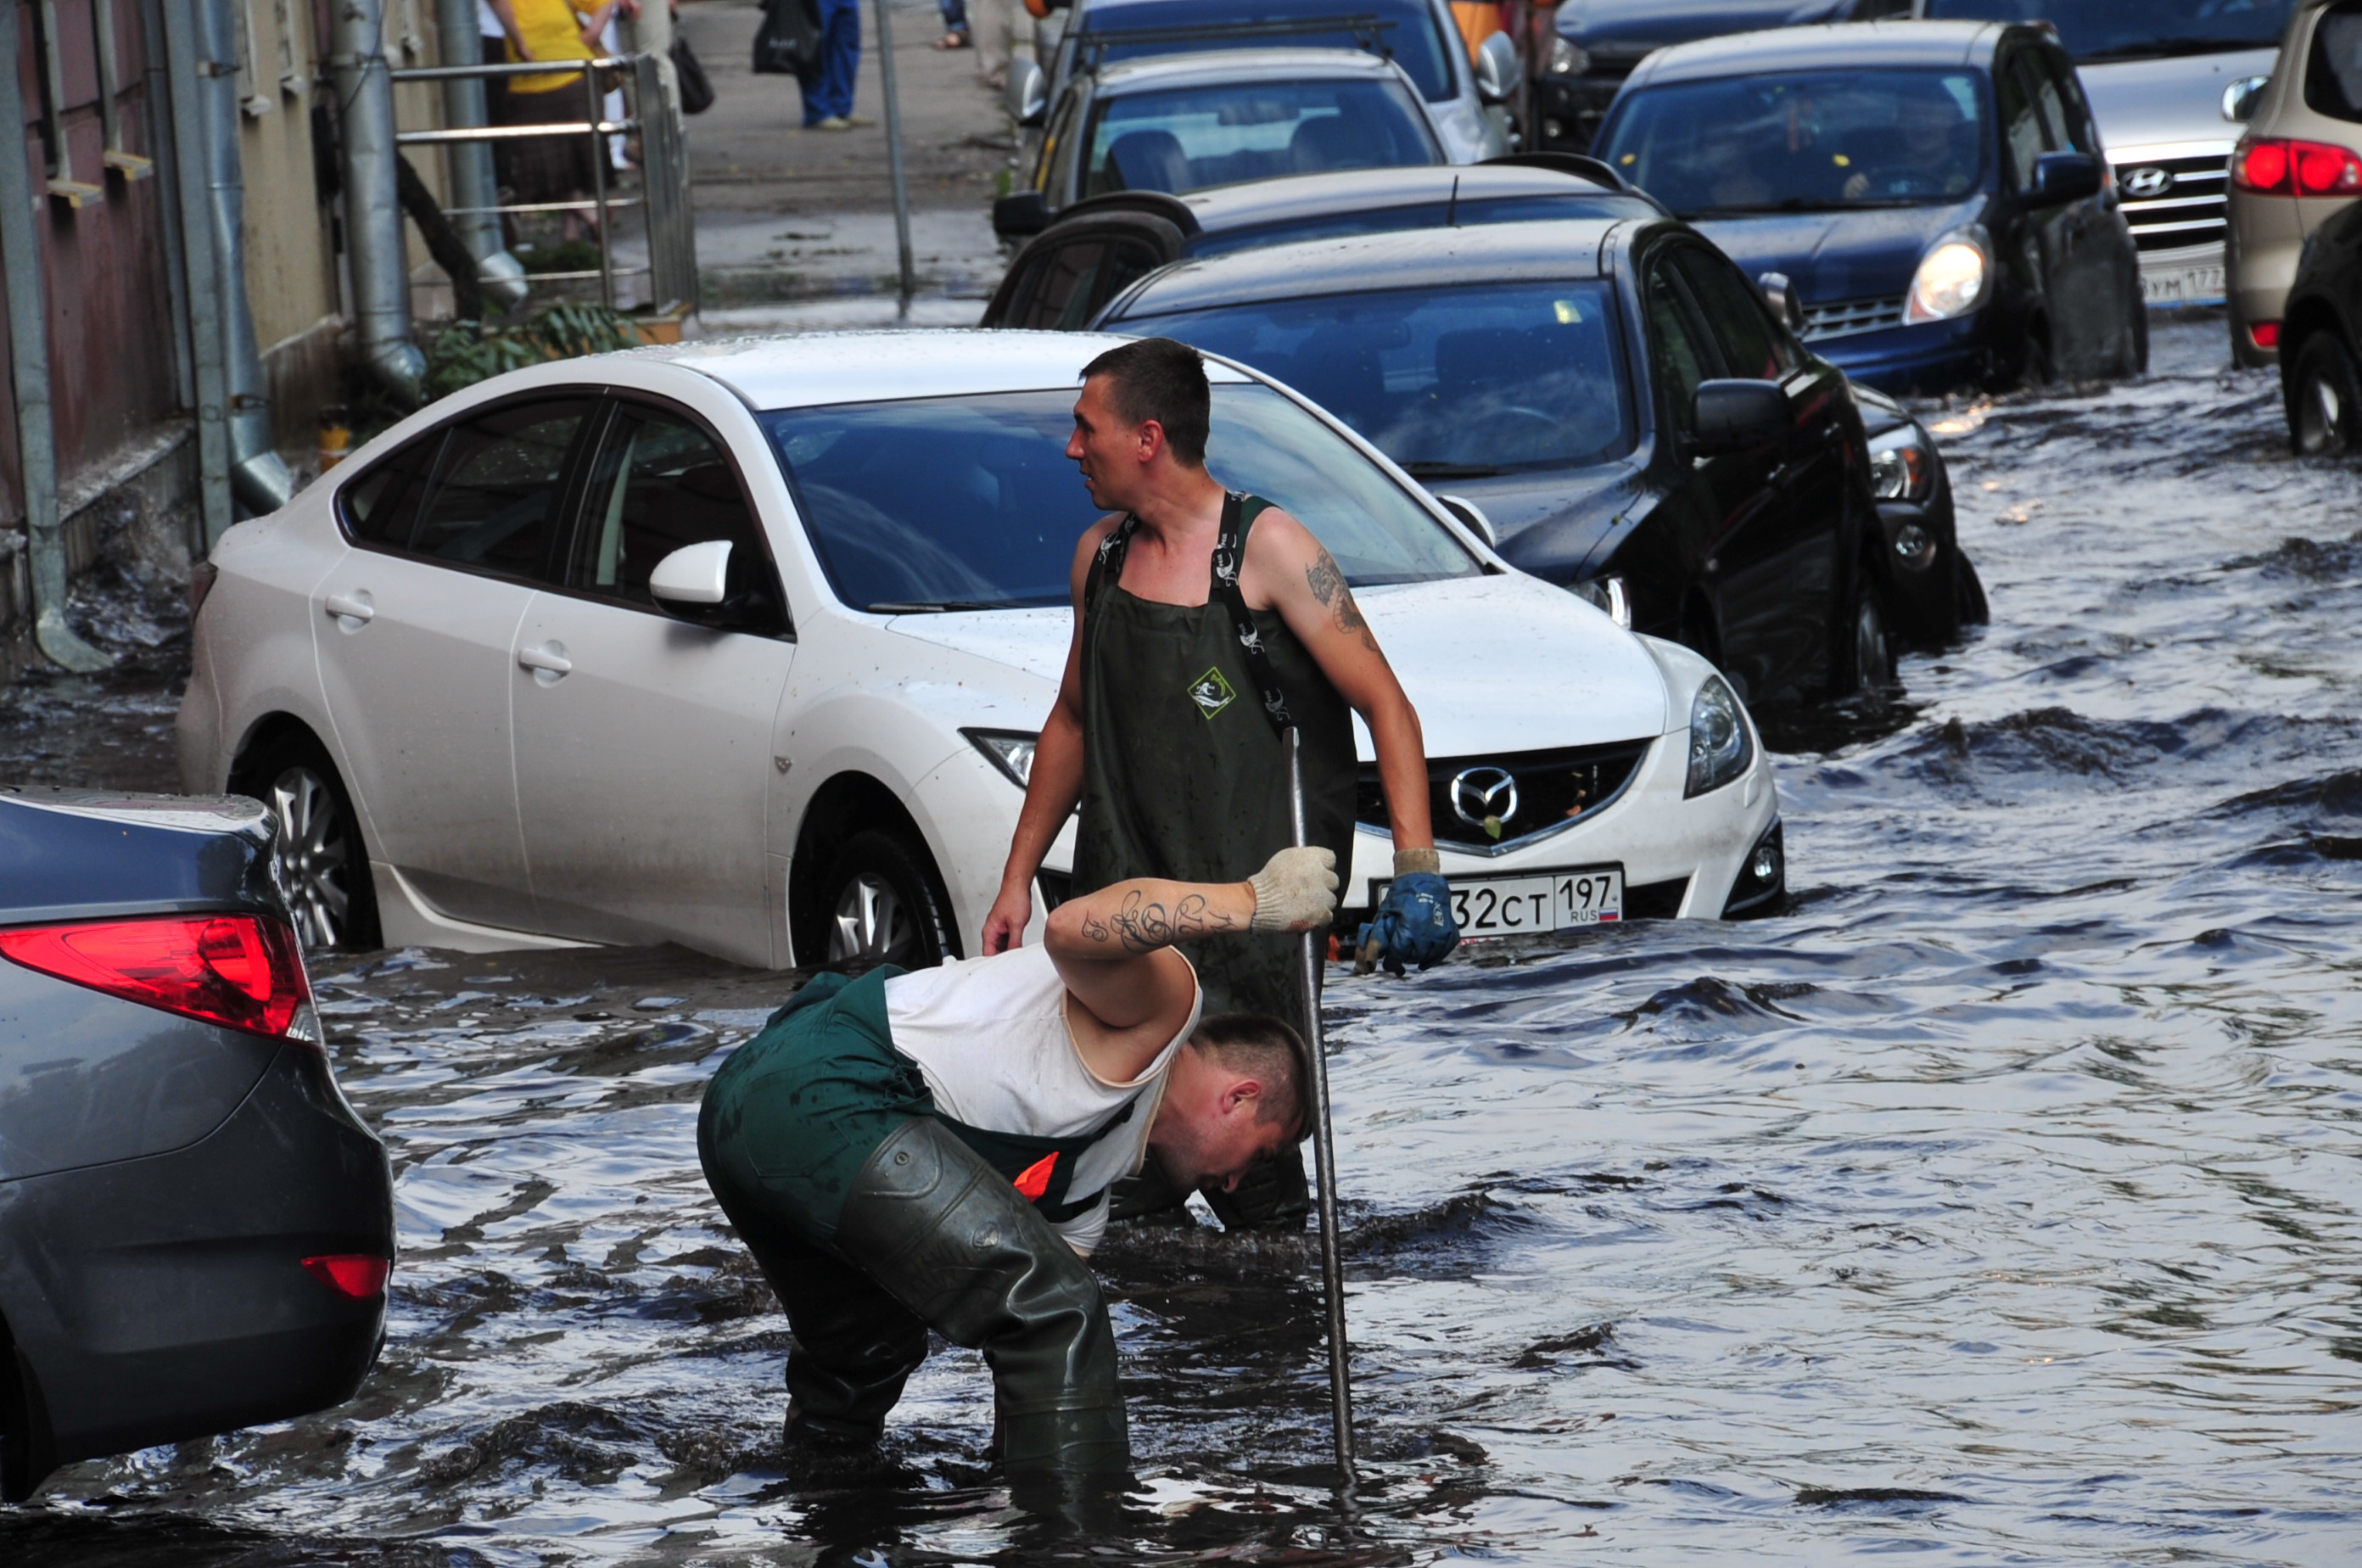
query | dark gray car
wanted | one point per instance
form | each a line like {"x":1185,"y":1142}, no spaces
{"x":196,"y":1228}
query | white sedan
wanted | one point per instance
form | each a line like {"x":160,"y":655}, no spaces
{"x":743,"y":645}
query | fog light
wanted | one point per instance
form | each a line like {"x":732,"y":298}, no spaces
{"x":1765,"y":866}
{"x":1915,"y":545}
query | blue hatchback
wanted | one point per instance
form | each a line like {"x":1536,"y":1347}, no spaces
{"x":1930,"y":197}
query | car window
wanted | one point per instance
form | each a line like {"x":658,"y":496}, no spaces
{"x":1455,"y":382}
{"x":1464,"y":213}
{"x":1741,"y":324}
{"x":1801,"y":142}
{"x":660,"y":483}
{"x":1055,"y":141}
{"x":2064,"y":91}
{"x":493,"y":499}
{"x":1191,"y":138}
{"x":1406,"y":31}
{"x":1677,"y":352}
{"x":2024,"y":139}
{"x":989,"y":519}
{"x":2333,"y":72}
{"x":380,"y":507}
{"x":1057,"y":284}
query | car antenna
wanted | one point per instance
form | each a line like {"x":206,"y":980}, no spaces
{"x":1452,"y":208}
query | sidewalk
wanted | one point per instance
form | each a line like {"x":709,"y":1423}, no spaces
{"x":795,"y":228}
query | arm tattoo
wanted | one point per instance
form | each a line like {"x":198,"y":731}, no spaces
{"x":1142,"y":925}
{"x":1328,"y":585}
{"x":1145,"y":926}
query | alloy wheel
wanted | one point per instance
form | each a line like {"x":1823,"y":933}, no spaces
{"x":872,"y":925}
{"x":1873,"y":656}
{"x":309,"y":856}
{"x":2321,"y":419}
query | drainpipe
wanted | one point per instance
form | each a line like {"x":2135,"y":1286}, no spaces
{"x":373,"y":199}
{"x":473,"y":185}
{"x":29,"y":337}
{"x":257,"y":476}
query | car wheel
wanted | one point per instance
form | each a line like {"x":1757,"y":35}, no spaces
{"x":882,"y":906}
{"x":1872,"y":644}
{"x":318,"y":858}
{"x":1970,"y":607}
{"x":2325,"y":410}
{"x":2140,"y":334}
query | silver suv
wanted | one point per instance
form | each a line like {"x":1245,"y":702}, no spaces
{"x":2299,"y":165}
{"x":2157,"y":73}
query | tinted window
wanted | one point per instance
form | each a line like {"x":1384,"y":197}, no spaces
{"x":380,"y":507}
{"x":494,"y":497}
{"x":989,"y":519}
{"x":1676,"y":352}
{"x":1407,"y":35}
{"x":660,"y":482}
{"x":1057,"y":282}
{"x":1455,"y":382}
{"x":1416,"y":214}
{"x":1804,"y":141}
{"x":2333,"y":74}
{"x":1741,"y":324}
{"x":1188,"y":138}
{"x":2128,"y":29}
{"x":2022,"y":137}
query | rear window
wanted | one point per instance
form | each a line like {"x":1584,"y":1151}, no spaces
{"x":1417,"y":215}
{"x":1406,"y":34}
{"x":2333,"y":76}
{"x":969,"y":502}
{"x":1188,"y":139}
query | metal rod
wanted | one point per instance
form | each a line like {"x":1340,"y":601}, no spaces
{"x":581,"y":207}
{"x":894,"y":154}
{"x":509,"y":68}
{"x":599,"y":192}
{"x":517,"y":133}
{"x":1333,"y":1267}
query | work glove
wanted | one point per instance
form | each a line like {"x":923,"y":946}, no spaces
{"x":1415,"y":924}
{"x":1296,"y":890}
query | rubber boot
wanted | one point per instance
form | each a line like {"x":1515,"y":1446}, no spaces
{"x":942,"y":1232}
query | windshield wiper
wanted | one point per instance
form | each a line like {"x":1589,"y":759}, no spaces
{"x":930,"y":606}
{"x":2161,"y":49}
{"x":1449,"y":470}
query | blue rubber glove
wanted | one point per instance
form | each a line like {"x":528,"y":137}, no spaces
{"x":1414,"y":925}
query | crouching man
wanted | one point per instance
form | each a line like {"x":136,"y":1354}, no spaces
{"x":907,"y":1152}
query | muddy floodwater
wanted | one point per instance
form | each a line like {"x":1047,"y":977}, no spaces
{"x":1999,"y":1203}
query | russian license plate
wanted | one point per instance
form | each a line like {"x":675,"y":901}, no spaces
{"x":1545,"y":900}
{"x":2183,"y":285}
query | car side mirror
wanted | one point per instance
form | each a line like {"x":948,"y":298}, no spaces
{"x":2240,"y":99}
{"x":1732,"y":415}
{"x":1780,"y":295}
{"x":1496,"y":69}
{"x":1020,"y":215}
{"x":2063,"y":177}
{"x":693,"y":575}
{"x":1468,"y":511}
{"x":1027,"y":93}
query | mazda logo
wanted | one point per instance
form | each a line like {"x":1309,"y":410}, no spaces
{"x":1483,"y":795}
{"x":2149,"y":182}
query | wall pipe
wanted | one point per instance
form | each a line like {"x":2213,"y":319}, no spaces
{"x":374,"y":240}
{"x":257,"y":476}
{"x":186,"y":67}
{"x":28,"y":342}
{"x":474,"y":186}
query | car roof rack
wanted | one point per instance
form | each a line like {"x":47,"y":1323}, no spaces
{"x":1156,"y":203}
{"x":1581,"y":165}
{"x":1368,"y":29}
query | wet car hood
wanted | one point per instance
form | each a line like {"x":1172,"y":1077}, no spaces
{"x":1866,"y":254}
{"x":1633,"y":28}
{"x":2155,"y":103}
{"x":1499,"y":663}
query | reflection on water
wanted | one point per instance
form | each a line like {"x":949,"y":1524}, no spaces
{"x":1998,"y":1201}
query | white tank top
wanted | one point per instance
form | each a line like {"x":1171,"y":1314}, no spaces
{"x":990,"y":1037}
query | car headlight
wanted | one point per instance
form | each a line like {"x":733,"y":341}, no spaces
{"x":1952,"y":279}
{"x":1606,"y":595}
{"x":1567,"y":60}
{"x":1721,"y":747}
{"x":1011,"y":751}
{"x":1901,"y":465}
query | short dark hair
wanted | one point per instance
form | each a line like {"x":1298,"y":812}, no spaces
{"x":1259,"y":1044}
{"x":1158,"y":379}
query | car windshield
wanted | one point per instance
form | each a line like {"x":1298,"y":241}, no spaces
{"x":1416,"y":214}
{"x":1806,"y":141}
{"x":969,"y":502}
{"x":1188,"y":138}
{"x":2095,"y":30}
{"x":1406,"y":32}
{"x":1452,"y":382}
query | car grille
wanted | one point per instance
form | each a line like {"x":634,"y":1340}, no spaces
{"x":2192,"y":210}
{"x":1843,"y":318}
{"x":1552,"y":790}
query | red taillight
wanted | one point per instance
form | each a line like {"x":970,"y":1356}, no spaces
{"x":239,"y":970}
{"x":2267,"y":334}
{"x":2273,"y":166}
{"x":358,"y":1275}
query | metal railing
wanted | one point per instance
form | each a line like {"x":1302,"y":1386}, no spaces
{"x":663,"y":200}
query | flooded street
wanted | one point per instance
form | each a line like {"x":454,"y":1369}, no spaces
{"x":1997,"y":1203}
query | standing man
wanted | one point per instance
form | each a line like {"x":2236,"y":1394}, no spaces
{"x":828,"y":91}
{"x":1191,"y":604}
{"x":904,"y":1153}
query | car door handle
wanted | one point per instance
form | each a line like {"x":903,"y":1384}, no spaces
{"x":349,"y":606}
{"x":547,"y":659}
